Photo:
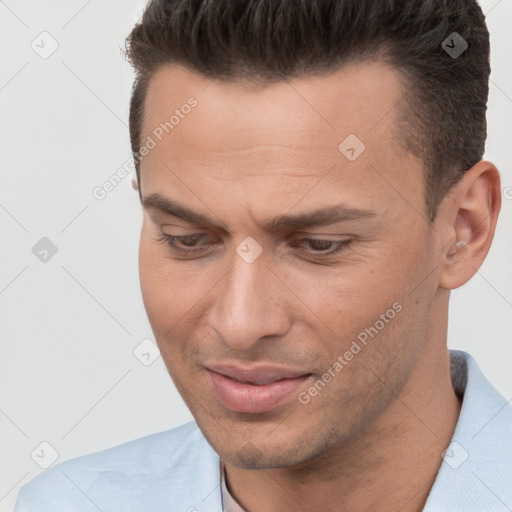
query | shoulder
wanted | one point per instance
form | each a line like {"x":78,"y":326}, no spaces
{"x":142,"y":474}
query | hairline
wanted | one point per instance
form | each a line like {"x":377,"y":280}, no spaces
{"x":401,"y":133}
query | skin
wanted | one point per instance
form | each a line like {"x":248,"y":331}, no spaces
{"x":373,"y":438}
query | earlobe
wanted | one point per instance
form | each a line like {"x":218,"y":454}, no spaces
{"x":470,"y":215}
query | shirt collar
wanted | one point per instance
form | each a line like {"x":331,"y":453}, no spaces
{"x":476,"y":468}
{"x":476,"y":471}
{"x":228,"y":502}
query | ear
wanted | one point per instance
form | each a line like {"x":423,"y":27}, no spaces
{"x":466,"y":219}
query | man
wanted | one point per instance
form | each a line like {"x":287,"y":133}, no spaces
{"x":312,"y":187}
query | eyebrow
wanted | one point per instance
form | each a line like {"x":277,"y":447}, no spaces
{"x":320,"y":217}
{"x":164,"y":205}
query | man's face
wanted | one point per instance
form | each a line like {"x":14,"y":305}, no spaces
{"x":252,"y":162}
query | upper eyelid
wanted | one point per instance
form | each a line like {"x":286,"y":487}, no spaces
{"x":294,"y":238}
{"x":298,"y":234}
{"x":298,"y":240}
{"x":338,"y":247}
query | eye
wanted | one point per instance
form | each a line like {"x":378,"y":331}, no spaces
{"x":184,"y":244}
{"x":320,"y":247}
{"x":194,"y":243}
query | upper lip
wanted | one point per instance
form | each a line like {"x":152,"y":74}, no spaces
{"x":256,"y":375}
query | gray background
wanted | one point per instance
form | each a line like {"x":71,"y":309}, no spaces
{"x":70,"y":325}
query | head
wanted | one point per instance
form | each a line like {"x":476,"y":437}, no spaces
{"x":307,"y":169}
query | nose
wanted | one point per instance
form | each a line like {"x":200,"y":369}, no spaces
{"x":249,"y":305}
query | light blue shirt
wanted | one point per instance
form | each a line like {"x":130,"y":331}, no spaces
{"x":178,"y":471}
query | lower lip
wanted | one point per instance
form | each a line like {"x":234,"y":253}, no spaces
{"x":244,"y":397}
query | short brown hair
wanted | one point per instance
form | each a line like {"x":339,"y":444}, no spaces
{"x":442,"y":119}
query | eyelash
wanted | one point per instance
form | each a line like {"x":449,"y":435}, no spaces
{"x":170,"y":241}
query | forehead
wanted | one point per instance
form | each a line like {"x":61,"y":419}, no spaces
{"x":266,"y":142}
{"x":304,"y":112}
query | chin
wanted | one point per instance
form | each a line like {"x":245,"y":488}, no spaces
{"x":250,"y":457}
{"x":266,"y":452}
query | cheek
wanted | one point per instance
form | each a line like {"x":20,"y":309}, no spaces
{"x":383,"y":327}
{"x":381,"y":306}
{"x":174,"y":296}
{"x":164,"y":298}
{"x":343,"y":301}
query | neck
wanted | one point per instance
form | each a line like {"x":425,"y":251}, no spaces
{"x":391,"y":465}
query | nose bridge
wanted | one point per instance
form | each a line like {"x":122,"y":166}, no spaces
{"x":245,"y":309}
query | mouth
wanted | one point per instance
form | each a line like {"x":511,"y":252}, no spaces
{"x":253,"y":390}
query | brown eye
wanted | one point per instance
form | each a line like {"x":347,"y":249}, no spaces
{"x":184,"y":244}
{"x":190,"y":240}
{"x":319,"y":247}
